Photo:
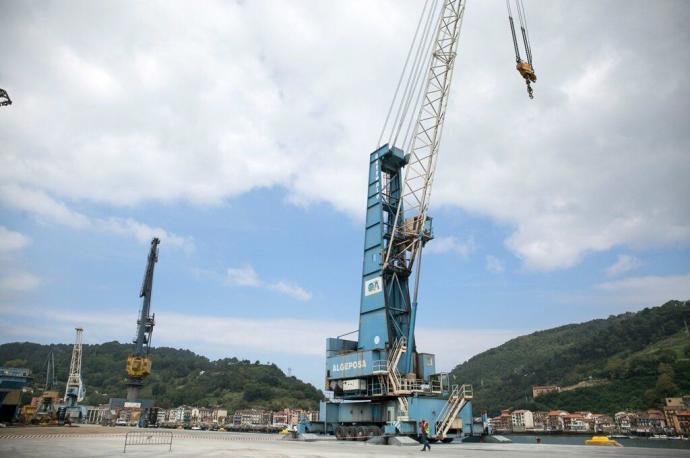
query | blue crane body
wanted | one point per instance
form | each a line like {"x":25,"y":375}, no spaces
{"x":369,"y":398}
{"x":381,"y":383}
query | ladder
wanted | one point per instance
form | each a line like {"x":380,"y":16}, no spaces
{"x":394,"y":378}
{"x":459,"y":396}
{"x":399,"y":347}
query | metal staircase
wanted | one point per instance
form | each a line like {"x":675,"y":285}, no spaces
{"x":396,"y":382}
{"x":399,"y":347}
{"x":459,"y":396}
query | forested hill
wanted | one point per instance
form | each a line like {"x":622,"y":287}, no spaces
{"x":178,"y":377}
{"x":638,"y":358}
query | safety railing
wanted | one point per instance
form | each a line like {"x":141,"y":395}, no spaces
{"x":459,"y":395}
{"x":148,"y":438}
{"x":379,"y":366}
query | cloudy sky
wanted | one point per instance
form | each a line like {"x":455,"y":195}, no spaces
{"x":239,"y":133}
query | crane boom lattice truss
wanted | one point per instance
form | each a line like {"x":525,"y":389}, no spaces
{"x":407,"y":237}
{"x":74,"y":391}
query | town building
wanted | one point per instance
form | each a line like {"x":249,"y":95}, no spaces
{"x":220,"y":416}
{"x":674,"y":407}
{"x":522,"y":420}
{"x":251,"y":417}
{"x":575,"y":423}
{"x":541,"y":390}
{"x":502,"y":423}
{"x":539,"y":419}
{"x":555,"y":420}
{"x":281,"y":418}
{"x":603,"y":424}
{"x":681,"y":422}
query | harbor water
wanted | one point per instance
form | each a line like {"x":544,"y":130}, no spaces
{"x":580,"y":440}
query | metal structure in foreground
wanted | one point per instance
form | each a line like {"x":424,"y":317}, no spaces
{"x":381,"y":383}
{"x":4,"y":98}
{"x":74,"y":390}
{"x":148,"y":437}
{"x":139,"y":362}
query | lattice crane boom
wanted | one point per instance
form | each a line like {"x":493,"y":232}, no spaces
{"x":74,"y":390}
{"x":411,"y":229}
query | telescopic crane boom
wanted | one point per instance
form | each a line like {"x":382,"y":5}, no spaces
{"x":139,"y":362}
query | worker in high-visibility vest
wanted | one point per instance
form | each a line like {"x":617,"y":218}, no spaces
{"x":424,"y":433}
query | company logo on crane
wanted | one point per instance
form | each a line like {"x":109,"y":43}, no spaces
{"x":373,"y":286}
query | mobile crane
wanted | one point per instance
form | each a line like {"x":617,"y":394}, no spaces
{"x":381,"y":383}
{"x":139,"y":362}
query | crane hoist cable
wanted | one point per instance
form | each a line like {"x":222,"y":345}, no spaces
{"x":524,"y":67}
{"x":407,"y":98}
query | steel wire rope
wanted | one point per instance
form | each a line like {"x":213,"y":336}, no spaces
{"x":412,"y":78}
{"x":405,"y":94}
{"x":409,"y":132}
{"x":523,"y":26}
{"x":417,"y":86}
{"x":512,"y":31}
{"x":528,"y":43}
{"x":402,"y":74}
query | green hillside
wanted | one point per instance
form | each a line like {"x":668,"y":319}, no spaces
{"x":639,"y":357}
{"x":178,"y":377}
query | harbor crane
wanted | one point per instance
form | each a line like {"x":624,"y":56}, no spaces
{"x":139,"y":362}
{"x":74,"y":389}
{"x":381,"y":382}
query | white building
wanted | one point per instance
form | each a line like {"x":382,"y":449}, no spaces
{"x":522,"y":420}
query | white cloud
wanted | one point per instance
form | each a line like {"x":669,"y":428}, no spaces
{"x":577,"y":170}
{"x":19,"y":281}
{"x":648,"y":290}
{"x":50,"y":211}
{"x":12,"y":241}
{"x":292,"y":290}
{"x":443,"y":245}
{"x":247,"y":276}
{"x":494,"y":265}
{"x":243,"y":276}
{"x":624,"y":263}
{"x":305,"y":337}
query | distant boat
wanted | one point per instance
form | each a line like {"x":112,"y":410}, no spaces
{"x":619,"y":436}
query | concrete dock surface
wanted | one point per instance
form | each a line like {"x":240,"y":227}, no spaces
{"x":106,"y":442}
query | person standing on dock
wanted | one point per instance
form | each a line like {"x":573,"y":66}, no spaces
{"x":424,"y":432}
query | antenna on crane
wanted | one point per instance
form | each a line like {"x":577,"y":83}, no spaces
{"x":74,"y":390}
